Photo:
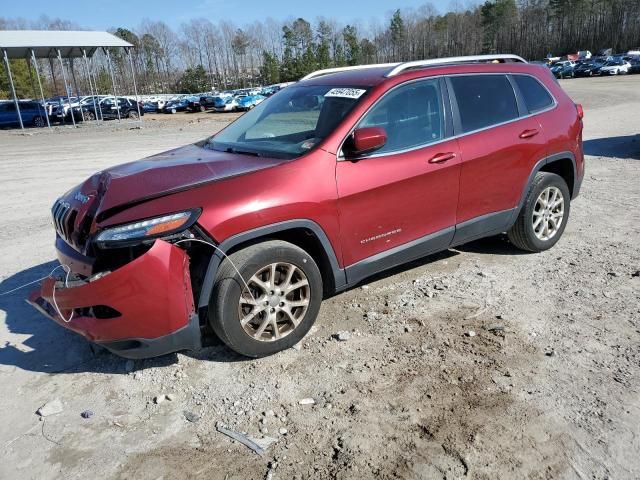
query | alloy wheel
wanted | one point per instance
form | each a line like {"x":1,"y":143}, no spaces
{"x":276,"y":302}
{"x":38,"y":122}
{"x":548,"y":213}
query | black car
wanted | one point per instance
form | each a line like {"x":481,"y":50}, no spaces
{"x":588,"y":69}
{"x":174,"y":106}
{"x":150,"y":107}
{"x":202,"y":105}
{"x":635,"y":66}
{"x":107,"y":109}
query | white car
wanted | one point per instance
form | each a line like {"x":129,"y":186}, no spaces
{"x":615,"y":67}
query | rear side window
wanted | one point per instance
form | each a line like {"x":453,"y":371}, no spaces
{"x":536,"y":97}
{"x":411,"y":116}
{"x":484,"y":100}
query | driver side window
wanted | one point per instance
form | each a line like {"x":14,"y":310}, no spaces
{"x":411,"y":115}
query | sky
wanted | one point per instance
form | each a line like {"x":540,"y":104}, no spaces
{"x":104,"y":14}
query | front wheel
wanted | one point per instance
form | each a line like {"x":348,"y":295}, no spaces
{"x":544,"y":215}
{"x":38,"y":122}
{"x":270,"y":302}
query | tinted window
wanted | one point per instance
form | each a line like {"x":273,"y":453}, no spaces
{"x":484,"y":100}
{"x":411,"y":115}
{"x":535,"y":96}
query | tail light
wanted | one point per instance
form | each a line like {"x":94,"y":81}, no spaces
{"x":580,"y":111}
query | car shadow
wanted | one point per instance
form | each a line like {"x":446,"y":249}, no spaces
{"x":627,"y":146}
{"x":38,"y":344}
{"x":496,"y":245}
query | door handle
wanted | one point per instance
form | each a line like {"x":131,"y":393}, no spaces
{"x":529,"y":133}
{"x":442,"y":157}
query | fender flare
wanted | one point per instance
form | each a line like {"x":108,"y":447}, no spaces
{"x":339,"y":276}
{"x":537,"y":167}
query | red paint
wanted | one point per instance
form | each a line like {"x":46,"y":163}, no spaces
{"x":153,"y":294}
{"x":368,"y":139}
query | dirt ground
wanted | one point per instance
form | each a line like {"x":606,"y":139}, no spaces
{"x":548,"y":387}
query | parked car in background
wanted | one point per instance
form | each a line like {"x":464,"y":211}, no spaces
{"x":587,"y":69}
{"x":226,"y":103}
{"x":175,"y":106}
{"x":563,"y":69}
{"x":203,"y":104}
{"x":108,"y":109}
{"x":635,"y":66}
{"x":584,"y":55}
{"x":150,"y":107}
{"x":615,"y":67}
{"x":33,"y":114}
{"x":247,"y":102}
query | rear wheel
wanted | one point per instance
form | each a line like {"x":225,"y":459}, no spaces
{"x":203,"y":108}
{"x":38,"y":121}
{"x":274,"y":302}
{"x":90,"y":115}
{"x":132,"y":114}
{"x":544,"y":215}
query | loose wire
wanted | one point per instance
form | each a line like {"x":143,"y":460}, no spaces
{"x":67,"y":270}
{"x":225,"y":256}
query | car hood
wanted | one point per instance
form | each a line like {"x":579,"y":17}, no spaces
{"x":162,"y":174}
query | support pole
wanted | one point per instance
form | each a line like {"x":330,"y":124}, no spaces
{"x":13,"y":89}
{"x":33,"y":86}
{"x":113,"y":82}
{"x":135,"y":88}
{"x":44,"y":107}
{"x":75,"y":84}
{"x":66,"y":88}
{"x":93,"y":95}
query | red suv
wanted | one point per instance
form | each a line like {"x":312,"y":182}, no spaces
{"x":347,"y":173}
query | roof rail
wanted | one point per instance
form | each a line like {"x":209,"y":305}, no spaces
{"x":397,"y":68}
{"x":451,"y":60}
{"x":326,"y":71}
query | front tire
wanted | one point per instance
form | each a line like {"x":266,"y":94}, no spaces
{"x":278,"y":308}
{"x":544,"y":215}
{"x":38,"y":122}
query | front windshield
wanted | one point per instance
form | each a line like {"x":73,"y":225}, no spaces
{"x":290,"y":123}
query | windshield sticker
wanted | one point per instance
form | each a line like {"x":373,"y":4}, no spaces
{"x":345,"y":92}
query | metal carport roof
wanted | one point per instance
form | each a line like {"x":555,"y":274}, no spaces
{"x":45,"y":44}
{"x":32,"y":44}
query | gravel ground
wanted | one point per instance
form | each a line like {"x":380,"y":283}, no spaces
{"x":480,"y":362}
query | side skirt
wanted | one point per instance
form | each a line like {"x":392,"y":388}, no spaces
{"x":399,"y":255}
{"x":484,"y":226}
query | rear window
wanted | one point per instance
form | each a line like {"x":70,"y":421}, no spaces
{"x":484,"y":100}
{"x":536,"y":97}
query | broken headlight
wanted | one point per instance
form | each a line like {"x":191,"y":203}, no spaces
{"x":147,"y":229}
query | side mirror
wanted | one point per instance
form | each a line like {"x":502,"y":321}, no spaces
{"x":366,"y":140}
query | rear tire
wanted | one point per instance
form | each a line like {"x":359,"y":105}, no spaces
{"x":257,"y":325}
{"x":544,"y":215}
{"x":133,"y":115}
{"x":38,"y":122}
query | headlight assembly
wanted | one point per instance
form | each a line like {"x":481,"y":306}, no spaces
{"x":147,"y":229}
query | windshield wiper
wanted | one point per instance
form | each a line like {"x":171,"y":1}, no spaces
{"x":242,"y":152}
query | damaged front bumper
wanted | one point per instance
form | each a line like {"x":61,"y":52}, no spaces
{"x":142,"y":309}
